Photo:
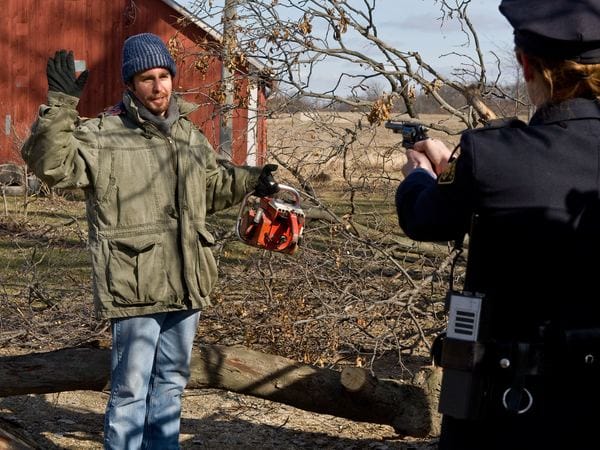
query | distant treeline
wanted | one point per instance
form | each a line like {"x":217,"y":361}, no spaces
{"x":505,"y":101}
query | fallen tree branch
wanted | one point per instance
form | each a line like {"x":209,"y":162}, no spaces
{"x":354,"y":394}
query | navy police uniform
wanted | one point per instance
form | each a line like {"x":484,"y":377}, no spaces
{"x":528,"y":195}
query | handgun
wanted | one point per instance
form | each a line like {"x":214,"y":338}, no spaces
{"x":411,"y":132}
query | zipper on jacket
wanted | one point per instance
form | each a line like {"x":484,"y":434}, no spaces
{"x":149,"y":126}
{"x":153,"y":130}
{"x":173,"y":154}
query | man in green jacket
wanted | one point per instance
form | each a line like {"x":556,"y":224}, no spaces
{"x":150,"y":179}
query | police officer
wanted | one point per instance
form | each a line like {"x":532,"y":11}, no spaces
{"x":528,"y":195}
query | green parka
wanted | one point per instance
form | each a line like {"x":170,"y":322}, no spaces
{"x":147,"y":198}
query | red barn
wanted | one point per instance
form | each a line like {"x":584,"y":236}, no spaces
{"x":95,"y":30}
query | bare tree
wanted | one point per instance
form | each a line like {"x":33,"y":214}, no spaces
{"x":294,"y":37}
{"x":359,"y":285}
{"x":229,"y":50}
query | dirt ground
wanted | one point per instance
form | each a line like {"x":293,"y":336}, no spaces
{"x":211,"y":419}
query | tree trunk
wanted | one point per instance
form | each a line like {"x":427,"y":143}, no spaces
{"x":230,"y":48}
{"x":353,"y":394}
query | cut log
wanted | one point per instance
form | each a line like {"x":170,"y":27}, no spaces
{"x":408,"y":408}
{"x":353,"y":394}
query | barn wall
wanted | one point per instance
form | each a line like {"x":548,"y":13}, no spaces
{"x":95,"y":31}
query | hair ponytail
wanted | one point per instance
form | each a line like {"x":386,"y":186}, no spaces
{"x":568,"y":79}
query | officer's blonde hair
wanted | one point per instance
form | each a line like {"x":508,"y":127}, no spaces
{"x":568,"y":79}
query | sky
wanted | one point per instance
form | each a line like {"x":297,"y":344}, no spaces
{"x":419,"y":27}
{"x":415,"y":25}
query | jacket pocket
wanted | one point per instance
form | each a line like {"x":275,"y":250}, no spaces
{"x":206,"y":268}
{"x":136,"y":272}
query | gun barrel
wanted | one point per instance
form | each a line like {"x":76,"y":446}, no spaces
{"x":394,"y":125}
{"x":398,"y":124}
{"x":411,"y":131}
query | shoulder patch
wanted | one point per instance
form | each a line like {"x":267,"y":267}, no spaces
{"x":447,"y":176}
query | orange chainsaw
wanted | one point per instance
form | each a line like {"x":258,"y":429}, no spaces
{"x":274,"y":224}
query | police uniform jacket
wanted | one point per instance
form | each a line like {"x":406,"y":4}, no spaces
{"x":531,"y":194}
{"x":147,"y":194}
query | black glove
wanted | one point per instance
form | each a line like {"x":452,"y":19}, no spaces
{"x":61,"y":74}
{"x":266,"y":184}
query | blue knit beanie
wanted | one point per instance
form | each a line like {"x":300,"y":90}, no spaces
{"x":145,"y":51}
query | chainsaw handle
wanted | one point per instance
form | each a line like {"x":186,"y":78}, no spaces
{"x":294,"y":192}
{"x":238,"y":224}
{"x":282,"y":187}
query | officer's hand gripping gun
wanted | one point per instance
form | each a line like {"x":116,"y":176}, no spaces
{"x":411,"y":132}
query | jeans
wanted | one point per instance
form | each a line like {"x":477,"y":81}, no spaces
{"x":150,"y":368}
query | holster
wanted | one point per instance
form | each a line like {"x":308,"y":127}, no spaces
{"x":464,"y":379}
